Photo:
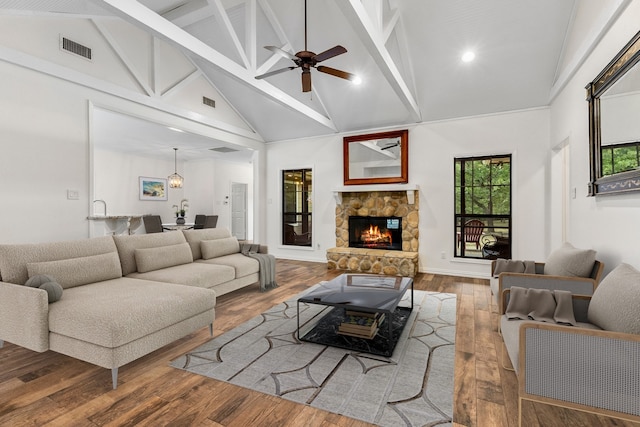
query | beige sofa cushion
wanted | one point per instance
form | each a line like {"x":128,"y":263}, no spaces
{"x":570,"y":261}
{"x":242,"y":264}
{"x":219,"y":247}
{"x":14,"y":258}
{"x":194,"y":237}
{"x":127,"y":246}
{"x":98,"y":313}
{"x":615,"y":302}
{"x":192,"y":274}
{"x":149,"y":259}
{"x":79,"y":271}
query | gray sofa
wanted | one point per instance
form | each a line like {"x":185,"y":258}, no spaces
{"x":592,"y":366}
{"x":123,"y":296}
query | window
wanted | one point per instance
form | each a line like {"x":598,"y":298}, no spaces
{"x":483,"y":207}
{"x":296,"y":207}
{"x":620,"y":157}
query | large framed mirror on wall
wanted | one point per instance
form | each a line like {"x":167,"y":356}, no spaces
{"x":614,"y":125}
{"x":376,"y":158}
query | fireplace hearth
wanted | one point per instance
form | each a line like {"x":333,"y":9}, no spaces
{"x":375,"y":232}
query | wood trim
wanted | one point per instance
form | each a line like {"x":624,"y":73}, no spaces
{"x":404,"y":158}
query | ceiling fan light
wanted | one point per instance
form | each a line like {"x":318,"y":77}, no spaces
{"x":468,"y":56}
{"x":356,"y":80}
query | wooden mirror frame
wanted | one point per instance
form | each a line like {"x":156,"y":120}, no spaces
{"x":621,"y":182}
{"x":403,"y":178}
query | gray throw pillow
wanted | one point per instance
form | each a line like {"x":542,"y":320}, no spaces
{"x":570,"y":261}
{"x":38,"y":280}
{"x":614,"y":304}
{"x":54,"y":291}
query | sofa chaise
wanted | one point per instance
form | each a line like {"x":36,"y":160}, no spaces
{"x":123,"y":296}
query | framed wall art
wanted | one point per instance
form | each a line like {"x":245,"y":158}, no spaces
{"x":153,"y":188}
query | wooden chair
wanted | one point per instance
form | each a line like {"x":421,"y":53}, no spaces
{"x":472,"y":231}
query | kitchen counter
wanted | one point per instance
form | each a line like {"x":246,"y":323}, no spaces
{"x":115,"y":224}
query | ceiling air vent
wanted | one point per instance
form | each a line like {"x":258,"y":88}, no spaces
{"x":208,"y":101}
{"x":223,"y":150}
{"x":76,"y":48}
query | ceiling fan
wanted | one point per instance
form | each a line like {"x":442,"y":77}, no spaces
{"x":308,"y":60}
{"x":387,"y":147}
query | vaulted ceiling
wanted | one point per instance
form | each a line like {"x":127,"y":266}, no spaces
{"x":407,"y":53}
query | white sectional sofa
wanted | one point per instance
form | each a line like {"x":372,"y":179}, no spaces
{"x":123,"y":296}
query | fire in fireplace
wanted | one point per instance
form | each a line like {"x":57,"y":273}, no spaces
{"x":375,"y":232}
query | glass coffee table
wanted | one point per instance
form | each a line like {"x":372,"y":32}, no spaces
{"x":366,"y":315}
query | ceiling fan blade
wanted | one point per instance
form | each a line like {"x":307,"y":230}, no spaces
{"x":281,"y":52}
{"x":306,"y":81}
{"x":274,"y":72}
{"x":330,"y":53}
{"x":337,"y":73}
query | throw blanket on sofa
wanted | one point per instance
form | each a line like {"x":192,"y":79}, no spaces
{"x":267,"y":265}
{"x":542,"y":305}
{"x":513,"y":266}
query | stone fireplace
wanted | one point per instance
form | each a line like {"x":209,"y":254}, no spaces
{"x":395,"y":214}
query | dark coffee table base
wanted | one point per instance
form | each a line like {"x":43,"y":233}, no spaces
{"x":326,"y":332}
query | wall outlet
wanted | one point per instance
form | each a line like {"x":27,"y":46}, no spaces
{"x":443,"y":255}
{"x":73,"y":194}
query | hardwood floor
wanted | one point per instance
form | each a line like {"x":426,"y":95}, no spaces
{"x":56,"y":390}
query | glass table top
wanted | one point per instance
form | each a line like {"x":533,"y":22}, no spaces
{"x":362,"y":291}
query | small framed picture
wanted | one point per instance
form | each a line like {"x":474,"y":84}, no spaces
{"x":153,"y":188}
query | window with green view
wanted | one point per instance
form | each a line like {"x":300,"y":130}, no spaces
{"x":620,"y":157}
{"x":483,"y":207}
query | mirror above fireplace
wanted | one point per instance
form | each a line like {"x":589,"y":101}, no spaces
{"x":376,"y":158}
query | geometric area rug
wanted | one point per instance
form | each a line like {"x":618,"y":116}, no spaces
{"x":413,"y":387}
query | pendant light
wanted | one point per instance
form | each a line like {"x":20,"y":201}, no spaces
{"x":175,"y":180}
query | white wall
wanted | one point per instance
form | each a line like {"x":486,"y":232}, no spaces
{"x":227,"y":173}
{"x":608,"y":224}
{"x":46,"y":97}
{"x":116,"y":182}
{"x":432,"y":149}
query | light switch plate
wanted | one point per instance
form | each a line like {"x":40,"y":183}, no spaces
{"x":73,"y":194}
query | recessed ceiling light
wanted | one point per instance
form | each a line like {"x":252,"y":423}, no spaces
{"x":468,"y":56}
{"x":357,"y":80}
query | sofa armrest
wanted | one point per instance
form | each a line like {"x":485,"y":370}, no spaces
{"x":581,"y":368}
{"x":575,"y":285}
{"x":24,"y":316}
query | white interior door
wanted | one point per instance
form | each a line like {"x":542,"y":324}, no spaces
{"x":239,"y":210}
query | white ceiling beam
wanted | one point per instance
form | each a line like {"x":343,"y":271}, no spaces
{"x":189,"y":13}
{"x":225,"y":131}
{"x":140,"y":15}
{"x":111,"y":41}
{"x":373,"y":40}
{"x":182,"y":83}
{"x":251,"y":33}
{"x":221,"y":13}
{"x":391,"y":25}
